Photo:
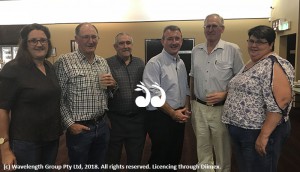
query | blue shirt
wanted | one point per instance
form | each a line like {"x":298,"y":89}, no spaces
{"x":169,"y":73}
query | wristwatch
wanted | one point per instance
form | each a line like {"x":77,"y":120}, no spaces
{"x":2,"y":140}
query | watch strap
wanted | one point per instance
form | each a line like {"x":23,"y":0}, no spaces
{"x":3,"y":140}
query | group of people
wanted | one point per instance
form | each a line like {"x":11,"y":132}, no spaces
{"x":230,"y":104}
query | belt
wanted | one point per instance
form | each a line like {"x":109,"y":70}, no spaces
{"x":205,"y":103}
{"x":129,"y":114}
{"x":164,"y":112}
{"x":158,"y":110}
{"x":125,"y":114}
{"x":91,"y":121}
{"x":179,"y":108}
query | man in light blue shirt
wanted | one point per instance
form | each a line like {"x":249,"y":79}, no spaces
{"x":213,"y":64}
{"x":165,"y":124}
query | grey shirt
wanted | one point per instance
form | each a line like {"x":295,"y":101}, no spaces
{"x":212,"y":72}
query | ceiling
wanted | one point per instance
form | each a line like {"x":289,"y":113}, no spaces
{"x":76,"y":11}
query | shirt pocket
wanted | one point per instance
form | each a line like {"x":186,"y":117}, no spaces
{"x":224,"y":69}
{"x":79,"y":82}
{"x":222,"y":65}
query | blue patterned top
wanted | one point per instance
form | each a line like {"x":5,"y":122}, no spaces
{"x":250,"y":94}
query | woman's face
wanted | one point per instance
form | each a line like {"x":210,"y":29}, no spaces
{"x":37,"y":44}
{"x":258,"y":48}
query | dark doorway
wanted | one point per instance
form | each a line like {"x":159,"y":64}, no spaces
{"x":291,"y":48}
{"x":9,"y":34}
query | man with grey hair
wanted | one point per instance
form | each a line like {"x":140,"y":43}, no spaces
{"x":84,"y":99}
{"x":213,"y":64}
{"x":126,"y":118}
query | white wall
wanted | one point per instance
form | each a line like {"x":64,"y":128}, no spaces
{"x":76,"y":11}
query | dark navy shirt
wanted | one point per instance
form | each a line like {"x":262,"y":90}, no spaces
{"x":127,"y":77}
{"x":33,"y":99}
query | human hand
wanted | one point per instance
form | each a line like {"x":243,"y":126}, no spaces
{"x":8,"y":157}
{"x":77,"y":128}
{"x":261,"y":144}
{"x":107,"y":80}
{"x":215,"y":97}
{"x":188,"y":112}
{"x":181,"y":115}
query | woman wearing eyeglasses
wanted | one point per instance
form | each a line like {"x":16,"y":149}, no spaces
{"x":30,"y":122}
{"x":258,"y":104}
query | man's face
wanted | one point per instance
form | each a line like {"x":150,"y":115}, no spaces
{"x":123,"y":46}
{"x":87,"y":39}
{"x":213,"y":29}
{"x":172,"y":42}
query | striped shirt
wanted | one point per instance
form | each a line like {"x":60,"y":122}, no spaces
{"x":82,"y":99}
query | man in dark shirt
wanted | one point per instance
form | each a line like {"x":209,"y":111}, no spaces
{"x":126,"y":118}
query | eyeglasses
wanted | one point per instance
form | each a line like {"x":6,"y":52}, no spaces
{"x":34,"y":41}
{"x":213,"y":27}
{"x":88,"y":37}
{"x":257,"y":42}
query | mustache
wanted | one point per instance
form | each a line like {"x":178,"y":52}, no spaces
{"x":126,"y":49}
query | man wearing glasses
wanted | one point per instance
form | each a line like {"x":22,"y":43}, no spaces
{"x":213,"y":64}
{"x":86,"y":82}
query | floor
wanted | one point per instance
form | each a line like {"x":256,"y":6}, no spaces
{"x":289,"y":160}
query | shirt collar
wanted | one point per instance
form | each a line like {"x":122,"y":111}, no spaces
{"x":220,"y":45}
{"x":83,"y":58}
{"x":122,"y":61}
{"x":177,"y":58}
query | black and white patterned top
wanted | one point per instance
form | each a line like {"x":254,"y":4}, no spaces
{"x":250,"y":94}
{"x":82,"y":98}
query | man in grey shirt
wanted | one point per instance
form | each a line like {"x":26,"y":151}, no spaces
{"x":213,"y":64}
{"x":165,"y":124}
{"x":126,"y":118}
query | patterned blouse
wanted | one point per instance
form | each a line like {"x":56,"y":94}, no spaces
{"x":250,"y":94}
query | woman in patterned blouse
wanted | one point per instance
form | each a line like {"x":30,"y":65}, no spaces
{"x":258,"y":103}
